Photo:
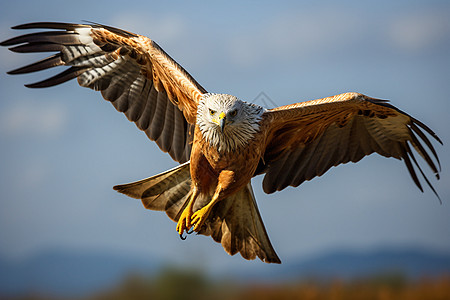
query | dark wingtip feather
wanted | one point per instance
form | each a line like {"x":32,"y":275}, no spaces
{"x":8,"y":42}
{"x":47,"y":63}
{"x":422,"y":152}
{"x":427,"y":129}
{"x":410,"y":168}
{"x":56,"y":37}
{"x":62,"y":77}
{"x":12,"y":72}
{"x":112,"y":29}
{"x":121,"y":188}
{"x":49,"y":25}
{"x":417,"y":130}
{"x":411,"y":154}
{"x":377,"y":100}
{"x":36,"y":47}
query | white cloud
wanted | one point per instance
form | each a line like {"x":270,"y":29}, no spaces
{"x":33,"y":118}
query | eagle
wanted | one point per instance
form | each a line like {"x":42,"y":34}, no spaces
{"x":220,"y":141}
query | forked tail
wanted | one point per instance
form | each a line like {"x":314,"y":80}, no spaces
{"x":234,"y":222}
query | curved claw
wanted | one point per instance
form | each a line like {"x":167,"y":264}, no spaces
{"x":184,"y":222}
{"x":189,"y":231}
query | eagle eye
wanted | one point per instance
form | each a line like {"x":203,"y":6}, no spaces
{"x":233,"y":113}
{"x":212,"y":112}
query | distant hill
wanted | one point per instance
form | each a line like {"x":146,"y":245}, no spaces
{"x":67,"y":273}
{"x":411,"y":263}
{"x":78,"y":274}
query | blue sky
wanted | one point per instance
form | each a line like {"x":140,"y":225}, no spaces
{"x":62,"y":149}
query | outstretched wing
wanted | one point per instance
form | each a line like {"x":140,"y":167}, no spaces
{"x":130,"y":70}
{"x":308,"y":138}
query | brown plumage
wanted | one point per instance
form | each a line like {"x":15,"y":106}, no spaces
{"x":221,"y":141}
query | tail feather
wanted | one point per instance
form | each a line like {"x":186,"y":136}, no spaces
{"x":235,"y":222}
{"x":167,"y":191}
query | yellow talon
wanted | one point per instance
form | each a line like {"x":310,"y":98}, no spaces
{"x":199,"y":218}
{"x":184,"y":223}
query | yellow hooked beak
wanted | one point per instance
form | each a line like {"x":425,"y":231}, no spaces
{"x":222,"y":119}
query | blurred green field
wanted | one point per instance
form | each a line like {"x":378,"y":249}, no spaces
{"x":190,"y":284}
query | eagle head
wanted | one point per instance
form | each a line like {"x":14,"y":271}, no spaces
{"x":227,"y":122}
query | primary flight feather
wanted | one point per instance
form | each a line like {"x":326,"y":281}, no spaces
{"x":220,"y":141}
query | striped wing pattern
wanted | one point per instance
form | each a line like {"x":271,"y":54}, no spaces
{"x":306,"y":139}
{"x":131,"y":71}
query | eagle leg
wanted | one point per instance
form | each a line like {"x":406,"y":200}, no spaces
{"x":184,"y":222}
{"x":200,"y":216}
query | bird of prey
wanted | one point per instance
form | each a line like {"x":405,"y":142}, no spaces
{"x":220,"y":141}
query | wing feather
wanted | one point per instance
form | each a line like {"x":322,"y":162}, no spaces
{"x":426,"y":140}
{"x":55,"y":37}
{"x":156,"y":127}
{"x":62,"y":77}
{"x":327,"y":145}
{"x":131,"y":71}
{"x":149,"y":111}
{"x":166,"y":136}
{"x":49,"y":62}
{"x":306,"y":139}
{"x":411,"y":170}
{"x":422,"y":152}
{"x":37,"y":47}
{"x":179,"y":135}
{"x":408,"y":149}
{"x":137,"y":100}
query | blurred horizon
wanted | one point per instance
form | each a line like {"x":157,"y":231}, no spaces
{"x":91,"y":274}
{"x":63,"y":148}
